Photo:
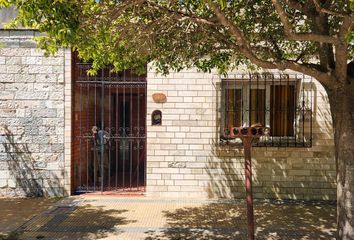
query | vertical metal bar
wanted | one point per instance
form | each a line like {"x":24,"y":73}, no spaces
{"x":237,"y":110}
{"x":226,"y":91}
{"x":117,"y":134}
{"x":124,"y":130}
{"x":109,"y":127}
{"x":250,"y":107}
{"x":287,"y":110}
{"x":303,"y":113}
{"x":295,"y":109}
{"x":87,"y":167}
{"x":242,"y":102}
{"x":95,"y":147}
{"x":130,"y":134}
{"x":257,"y":98}
{"x":145,"y":131}
{"x":281,"y":108}
{"x":311,"y":108}
{"x":267,"y":113}
{"x":273,"y":111}
{"x":233,"y":109}
{"x":87,"y":131}
{"x":138,"y":137}
{"x":102,"y":128}
{"x":80,"y":116}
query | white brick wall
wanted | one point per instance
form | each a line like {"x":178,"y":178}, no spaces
{"x":189,"y":134}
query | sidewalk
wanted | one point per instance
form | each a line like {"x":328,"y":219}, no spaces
{"x":134,"y":218}
{"x":16,"y":211}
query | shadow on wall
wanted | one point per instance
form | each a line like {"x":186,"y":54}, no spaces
{"x":228,"y":221}
{"x":296,"y":174}
{"x":226,"y":170}
{"x":25,"y":173}
{"x":70,"y":220}
{"x":279,"y":172}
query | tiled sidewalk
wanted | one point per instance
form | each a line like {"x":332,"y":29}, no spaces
{"x":134,"y":218}
{"x":16,"y":211}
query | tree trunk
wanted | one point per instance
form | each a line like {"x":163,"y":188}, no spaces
{"x":342,"y":108}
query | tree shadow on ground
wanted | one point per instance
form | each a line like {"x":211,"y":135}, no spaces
{"x":16,"y":211}
{"x":74,"y":221}
{"x":228,"y":221}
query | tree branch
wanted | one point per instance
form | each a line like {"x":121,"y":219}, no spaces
{"x":325,"y":50}
{"x":348,"y":23}
{"x":341,"y":50}
{"x":300,"y":36}
{"x":245,"y":49}
{"x":182,"y":15}
{"x":298,"y":6}
{"x":328,"y":11}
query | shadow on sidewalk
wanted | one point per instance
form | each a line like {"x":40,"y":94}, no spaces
{"x":228,"y":221}
{"x":73,"y":220}
{"x":16,"y":211}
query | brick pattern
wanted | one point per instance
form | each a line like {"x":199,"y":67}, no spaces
{"x":31,"y":117}
{"x":184,"y":160}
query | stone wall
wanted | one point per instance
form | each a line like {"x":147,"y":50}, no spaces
{"x":185,"y":160}
{"x":31,"y":117}
{"x":7,"y":14}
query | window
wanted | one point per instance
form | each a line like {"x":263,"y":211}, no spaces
{"x":282,"y":108}
{"x":277,"y":102}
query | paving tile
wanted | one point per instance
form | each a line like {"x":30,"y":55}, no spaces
{"x":135,"y":218}
{"x":14,"y":212}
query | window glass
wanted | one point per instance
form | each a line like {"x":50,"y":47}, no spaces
{"x":257,"y":104}
{"x":271,"y":105}
{"x":233,"y":107}
{"x":282,"y":108}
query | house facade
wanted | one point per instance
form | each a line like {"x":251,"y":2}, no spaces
{"x":63,"y":132}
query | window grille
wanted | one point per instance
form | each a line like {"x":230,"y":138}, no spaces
{"x":282,"y":102}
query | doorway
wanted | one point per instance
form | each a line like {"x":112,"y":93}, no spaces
{"x":109,"y":131}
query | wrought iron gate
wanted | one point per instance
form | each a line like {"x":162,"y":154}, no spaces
{"x":109,"y":138}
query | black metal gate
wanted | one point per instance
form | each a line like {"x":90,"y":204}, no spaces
{"x":109,"y":136}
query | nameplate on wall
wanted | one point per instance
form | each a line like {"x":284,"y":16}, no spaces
{"x":159,"y":97}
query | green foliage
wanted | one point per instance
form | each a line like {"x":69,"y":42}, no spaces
{"x":174,"y":34}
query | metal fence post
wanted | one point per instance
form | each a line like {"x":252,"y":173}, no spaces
{"x":247,"y":146}
{"x":247,"y":135}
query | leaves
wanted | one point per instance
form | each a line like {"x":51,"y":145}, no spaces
{"x":177,"y":34}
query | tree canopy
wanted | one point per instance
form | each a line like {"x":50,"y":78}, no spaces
{"x":311,"y":36}
{"x":314,"y":37}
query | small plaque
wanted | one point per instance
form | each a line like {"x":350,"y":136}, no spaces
{"x":159,"y":97}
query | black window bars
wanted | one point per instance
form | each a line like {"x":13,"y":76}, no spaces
{"x":282,"y":102}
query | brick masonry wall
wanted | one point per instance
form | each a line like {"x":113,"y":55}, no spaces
{"x":31,"y":117}
{"x":184,"y":160}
